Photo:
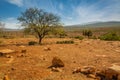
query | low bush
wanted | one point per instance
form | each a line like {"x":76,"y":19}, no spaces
{"x":93,"y":37}
{"x":79,"y":37}
{"x":87,"y":33}
{"x":32,"y":43}
{"x":111,"y":36}
{"x":65,"y":42}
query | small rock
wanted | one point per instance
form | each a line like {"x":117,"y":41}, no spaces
{"x":8,"y":56}
{"x":22,"y":46}
{"x":74,"y":61}
{"x":76,"y":70}
{"x":56,"y":69}
{"x":6,"y":77}
{"x":57,"y":62}
{"x":47,"y":49}
{"x":23,"y":51}
{"x":91,"y":76}
{"x":13,"y":69}
{"x":88,"y":70}
{"x":44,"y":59}
{"x":20,"y":55}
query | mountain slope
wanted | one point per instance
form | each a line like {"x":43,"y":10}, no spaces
{"x":99,"y":24}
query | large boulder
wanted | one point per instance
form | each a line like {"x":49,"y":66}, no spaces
{"x":110,"y":73}
{"x":57,"y":62}
{"x":6,"y":51}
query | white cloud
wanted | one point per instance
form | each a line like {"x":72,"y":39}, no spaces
{"x":11,"y":23}
{"x":101,"y":10}
{"x":95,"y":12}
{"x":16,"y":2}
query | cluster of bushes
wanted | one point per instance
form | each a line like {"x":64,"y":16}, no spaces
{"x":8,"y":37}
{"x":93,"y":37}
{"x":79,"y":37}
{"x":87,"y":33}
{"x":65,"y":42}
{"x":111,"y":36}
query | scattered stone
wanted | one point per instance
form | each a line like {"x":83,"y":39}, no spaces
{"x":13,"y":69}
{"x":6,"y":51}
{"x":88,"y":70}
{"x":47,"y":49}
{"x":57,"y":62}
{"x":20,"y":55}
{"x":6,"y":77}
{"x":10,"y":60}
{"x":77,"y":70}
{"x":18,"y":44}
{"x":23,"y":51}
{"x":9,"y":56}
{"x":74,"y":61}
{"x":22,"y":46}
{"x":101,"y":56}
{"x":56,"y":69}
{"x":117,"y":51}
{"x":44,"y":59}
{"x":92,"y":76}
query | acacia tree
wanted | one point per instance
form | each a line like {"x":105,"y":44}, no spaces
{"x":39,"y":22}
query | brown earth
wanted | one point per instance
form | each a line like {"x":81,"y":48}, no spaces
{"x":34,"y":63}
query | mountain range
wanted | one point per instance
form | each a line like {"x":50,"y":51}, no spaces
{"x":98,"y":24}
{"x":87,"y":25}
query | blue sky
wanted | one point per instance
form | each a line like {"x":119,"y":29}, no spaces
{"x":71,"y":11}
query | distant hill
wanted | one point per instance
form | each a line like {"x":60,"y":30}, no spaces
{"x":115,"y":24}
{"x":104,"y":24}
{"x":8,"y":29}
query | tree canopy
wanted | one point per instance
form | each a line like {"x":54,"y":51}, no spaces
{"x":39,"y":22}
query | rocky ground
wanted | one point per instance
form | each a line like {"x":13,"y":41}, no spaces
{"x":33,"y":62}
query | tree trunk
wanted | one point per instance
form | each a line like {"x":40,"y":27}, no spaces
{"x":40,"y":40}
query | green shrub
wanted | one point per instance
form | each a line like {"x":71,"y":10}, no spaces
{"x":111,"y":36}
{"x":87,"y":33}
{"x":8,"y":37}
{"x":65,"y":42}
{"x":32,"y":43}
{"x":93,"y":37}
{"x":79,"y":37}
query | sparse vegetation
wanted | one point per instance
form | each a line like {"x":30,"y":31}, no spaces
{"x":85,"y":46}
{"x":65,"y":42}
{"x":60,"y":32}
{"x":79,"y":37}
{"x":111,"y":36}
{"x":93,"y":37}
{"x":87,"y":33}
